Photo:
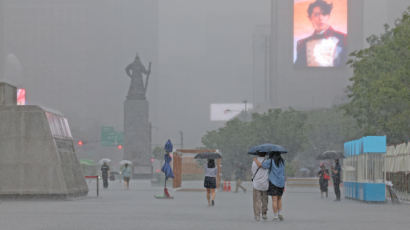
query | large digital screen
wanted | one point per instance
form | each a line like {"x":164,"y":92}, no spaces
{"x":225,"y":112}
{"x":320,"y":33}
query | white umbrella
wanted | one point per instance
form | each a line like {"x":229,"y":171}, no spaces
{"x":104,"y":160}
{"x":123,"y":162}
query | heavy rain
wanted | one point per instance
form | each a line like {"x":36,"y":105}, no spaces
{"x":204,"y":114}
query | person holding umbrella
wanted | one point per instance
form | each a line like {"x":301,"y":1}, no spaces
{"x":323,"y":180}
{"x":211,"y":171}
{"x":276,"y":166}
{"x":210,"y":181}
{"x":336,"y":172}
{"x":126,"y":173}
{"x":260,"y":187}
{"x":104,"y":173}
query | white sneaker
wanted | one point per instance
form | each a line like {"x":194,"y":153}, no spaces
{"x":257,"y":218}
{"x":276,"y":219}
{"x":280,"y":217}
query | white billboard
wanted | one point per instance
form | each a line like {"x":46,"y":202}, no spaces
{"x":225,"y":112}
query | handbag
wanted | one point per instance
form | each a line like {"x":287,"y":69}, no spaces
{"x":257,"y":171}
{"x":326,"y":176}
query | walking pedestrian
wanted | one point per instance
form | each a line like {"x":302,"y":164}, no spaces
{"x":126,"y":174}
{"x":210,"y":181}
{"x":324,"y":178}
{"x":239,"y":176}
{"x":260,"y":187}
{"x":276,"y":166}
{"x":104,"y":173}
{"x":336,"y":176}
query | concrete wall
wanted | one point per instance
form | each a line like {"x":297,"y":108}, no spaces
{"x":33,"y":162}
{"x":8,"y":94}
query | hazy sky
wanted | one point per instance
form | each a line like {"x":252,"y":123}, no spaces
{"x":205,"y":56}
{"x":73,"y":54}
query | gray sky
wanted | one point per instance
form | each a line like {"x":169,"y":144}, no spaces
{"x":205,"y":56}
{"x":73,"y":54}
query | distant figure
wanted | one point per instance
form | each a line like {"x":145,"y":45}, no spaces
{"x":260,"y":187}
{"x":276,"y":167}
{"x":336,"y":176}
{"x":326,"y":47}
{"x":324,"y":178}
{"x":135,"y":71}
{"x":126,"y":174}
{"x":210,"y":181}
{"x":104,"y":172}
{"x":239,"y":176}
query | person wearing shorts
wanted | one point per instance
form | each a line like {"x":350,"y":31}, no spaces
{"x":126,"y":173}
{"x":210,"y":181}
{"x":276,"y":166}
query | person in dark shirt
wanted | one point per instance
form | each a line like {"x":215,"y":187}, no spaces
{"x":336,"y":176}
{"x":324,"y":177}
{"x":104,"y":172}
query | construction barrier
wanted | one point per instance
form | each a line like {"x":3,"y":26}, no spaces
{"x":363,"y":174}
{"x":397,"y":169}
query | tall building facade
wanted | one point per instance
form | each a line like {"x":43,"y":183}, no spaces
{"x":261,"y":90}
{"x":316,"y":87}
{"x":307,"y":87}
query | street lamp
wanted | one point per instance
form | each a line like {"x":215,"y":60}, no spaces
{"x":246,"y":105}
{"x":181,"y":134}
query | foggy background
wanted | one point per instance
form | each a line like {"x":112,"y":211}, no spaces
{"x":70,"y":55}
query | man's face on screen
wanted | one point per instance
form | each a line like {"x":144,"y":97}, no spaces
{"x":319,"y":20}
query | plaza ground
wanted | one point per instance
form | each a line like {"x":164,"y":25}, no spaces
{"x":137,"y":208}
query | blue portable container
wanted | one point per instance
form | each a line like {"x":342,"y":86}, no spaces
{"x":368,"y":187}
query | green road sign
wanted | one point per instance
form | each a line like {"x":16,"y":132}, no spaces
{"x":109,"y":137}
{"x":120,"y":138}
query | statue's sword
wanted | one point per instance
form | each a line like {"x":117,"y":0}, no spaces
{"x":149,"y":73}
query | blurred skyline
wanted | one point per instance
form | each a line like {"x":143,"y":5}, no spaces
{"x":70,"y":55}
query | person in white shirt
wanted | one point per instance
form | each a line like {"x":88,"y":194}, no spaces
{"x":260,"y":187}
{"x":210,"y":181}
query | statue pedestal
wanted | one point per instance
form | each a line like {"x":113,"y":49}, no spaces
{"x":137,"y":136}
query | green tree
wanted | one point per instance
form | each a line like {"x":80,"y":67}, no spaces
{"x":158,"y":153}
{"x":233,"y":142}
{"x":304,"y":133}
{"x":235,"y":139}
{"x":380,"y":93}
{"x":326,"y":129}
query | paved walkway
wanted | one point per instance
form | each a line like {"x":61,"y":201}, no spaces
{"x":138,"y":209}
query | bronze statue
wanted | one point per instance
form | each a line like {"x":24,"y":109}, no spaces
{"x":135,"y":71}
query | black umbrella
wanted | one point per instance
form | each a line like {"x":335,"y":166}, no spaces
{"x":330,"y":155}
{"x":266,"y":148}
{"x":208,"y":155}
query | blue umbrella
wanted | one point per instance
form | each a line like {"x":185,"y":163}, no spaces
{"x":168,"y":146}
{"x":166,"y":168}
{"x":266,"y":148}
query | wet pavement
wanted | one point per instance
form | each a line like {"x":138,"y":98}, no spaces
{"x":137,"y":208}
